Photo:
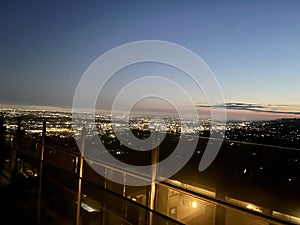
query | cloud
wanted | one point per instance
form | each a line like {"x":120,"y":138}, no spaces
{"x":276,"y":109}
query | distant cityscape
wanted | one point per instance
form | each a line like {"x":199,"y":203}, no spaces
{"x":279,"y":132}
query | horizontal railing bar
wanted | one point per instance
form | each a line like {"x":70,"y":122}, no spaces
{"x":120,"y":170}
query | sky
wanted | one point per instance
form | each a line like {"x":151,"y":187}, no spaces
{"x":252,"y":47}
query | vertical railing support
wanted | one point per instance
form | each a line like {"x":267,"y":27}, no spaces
{"x":2,"y":144}
{"x":124,"y":185}
{"x":2,"y":129}
{"x":154,"y":161}
{"x":79,"y":194}
{"x":15,"y":150}
{"x":39,"y":203}
{"x":19,"y":126}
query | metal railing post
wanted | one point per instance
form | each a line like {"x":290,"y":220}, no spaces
{"x":15,"y":150}
{"x":154,"y":161}
{"x":41,"y":173}
{"x":2,"y":130}
{"x":2,"y":144}
{"x":83,"y":136}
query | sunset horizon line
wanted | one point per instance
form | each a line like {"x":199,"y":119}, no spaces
{"x":234,"y":110}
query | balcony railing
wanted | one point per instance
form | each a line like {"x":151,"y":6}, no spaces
{"x":62,"y":185}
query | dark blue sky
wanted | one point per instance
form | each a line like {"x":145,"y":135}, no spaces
{"x":252,"y":46}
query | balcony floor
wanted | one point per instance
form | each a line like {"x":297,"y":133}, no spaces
{"x":17,"y":207}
